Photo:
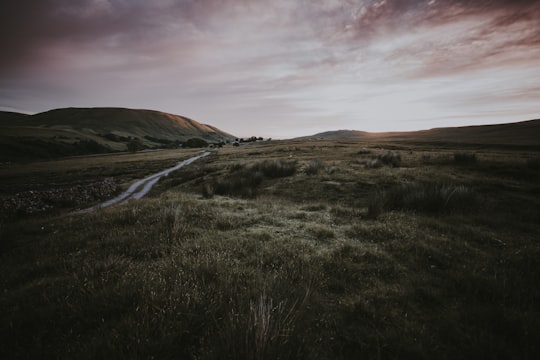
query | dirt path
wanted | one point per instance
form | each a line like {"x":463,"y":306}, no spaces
{"x":132,"y":194}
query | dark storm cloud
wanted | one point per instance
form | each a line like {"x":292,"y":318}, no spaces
{"x":29,"y":26}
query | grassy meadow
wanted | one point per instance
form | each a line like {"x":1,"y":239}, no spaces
{"x":280,"y":250}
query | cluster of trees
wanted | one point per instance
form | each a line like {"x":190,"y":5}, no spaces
{"x":36,"y":148}
{"x":251,"y":139}
{"x":136,"y":144}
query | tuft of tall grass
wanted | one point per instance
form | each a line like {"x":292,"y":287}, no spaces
{"x":387,"y":157}
{"x":322,"y":233}
{"x":533,"y":163}
{"x":176,"y":227}
{"x":269,"y":327}
{"x":243,"y":183}
{"x":427,"y":198}
{"x":244,"y":180}
{"x":364,"y":151}
{"x":314,"y":166}
{"x":275,"y":168}
{"x":461,"y":157}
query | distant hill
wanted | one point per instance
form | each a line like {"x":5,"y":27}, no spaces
{"x":79,"y":131}
{"x":338,"y":134}
{"x":6,"y":116}
{"x":519,"y":133}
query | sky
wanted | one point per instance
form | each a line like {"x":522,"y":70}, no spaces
{"x":278,"y":68}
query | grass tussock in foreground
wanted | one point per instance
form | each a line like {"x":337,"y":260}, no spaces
{"x":243,"y":180}
{"x":427,"y":198}
{"x":448,"y":268}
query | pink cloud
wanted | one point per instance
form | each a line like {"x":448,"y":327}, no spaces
{"x":276,"y":60}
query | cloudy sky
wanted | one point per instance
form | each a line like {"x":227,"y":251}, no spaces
{"x":278,"y":68}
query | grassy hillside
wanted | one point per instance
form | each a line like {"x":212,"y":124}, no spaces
{"x":525,"y":133}
{"x":280,"y":250}
{"x":76,"y":131}
{"x":8,"y":116}
{"x":339,"y":134}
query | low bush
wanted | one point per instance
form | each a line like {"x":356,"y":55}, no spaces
{"x":195,"y":143}
{"x":426,"y":198}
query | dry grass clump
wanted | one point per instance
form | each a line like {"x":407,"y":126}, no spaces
{"x":263,"y":331}
{"x":385,"y":158}
{"x":243,"y":180}
{"x":275,"y":168}
{"x":533,"y":163}
{"x":461,"y":157}
{"x":314,"y":166}
{"x":243,"y":183}
{"x":364,"y":151}
{"x":423,"y":197}
{"x":322,"y":233}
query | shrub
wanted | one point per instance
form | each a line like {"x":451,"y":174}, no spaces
{"x":195,"y":143}
{"x":464,"y":158}
{"x":135,"y":145}
{"x":426,"y":198}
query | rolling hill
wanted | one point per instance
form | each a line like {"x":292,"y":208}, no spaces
{"x":526,"y":133}
{"x":79,"y":131}
{"x":8,"y":116}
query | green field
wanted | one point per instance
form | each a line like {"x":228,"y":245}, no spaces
{"x":279,"y":250}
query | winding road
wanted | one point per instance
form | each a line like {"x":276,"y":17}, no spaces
{"x":146,"y":183}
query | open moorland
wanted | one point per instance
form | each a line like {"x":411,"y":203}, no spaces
{"x":298,"y":249}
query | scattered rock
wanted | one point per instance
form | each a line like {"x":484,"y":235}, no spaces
{"x":38,"y":201}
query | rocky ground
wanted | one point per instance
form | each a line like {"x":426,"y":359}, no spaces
{"x":38,"y":201}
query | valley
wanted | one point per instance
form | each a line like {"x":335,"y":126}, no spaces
{"x":281,"y":249}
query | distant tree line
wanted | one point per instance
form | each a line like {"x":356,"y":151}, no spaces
{"x":250,"y":139}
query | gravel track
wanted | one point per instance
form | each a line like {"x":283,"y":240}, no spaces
{"x":134,"y":192}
